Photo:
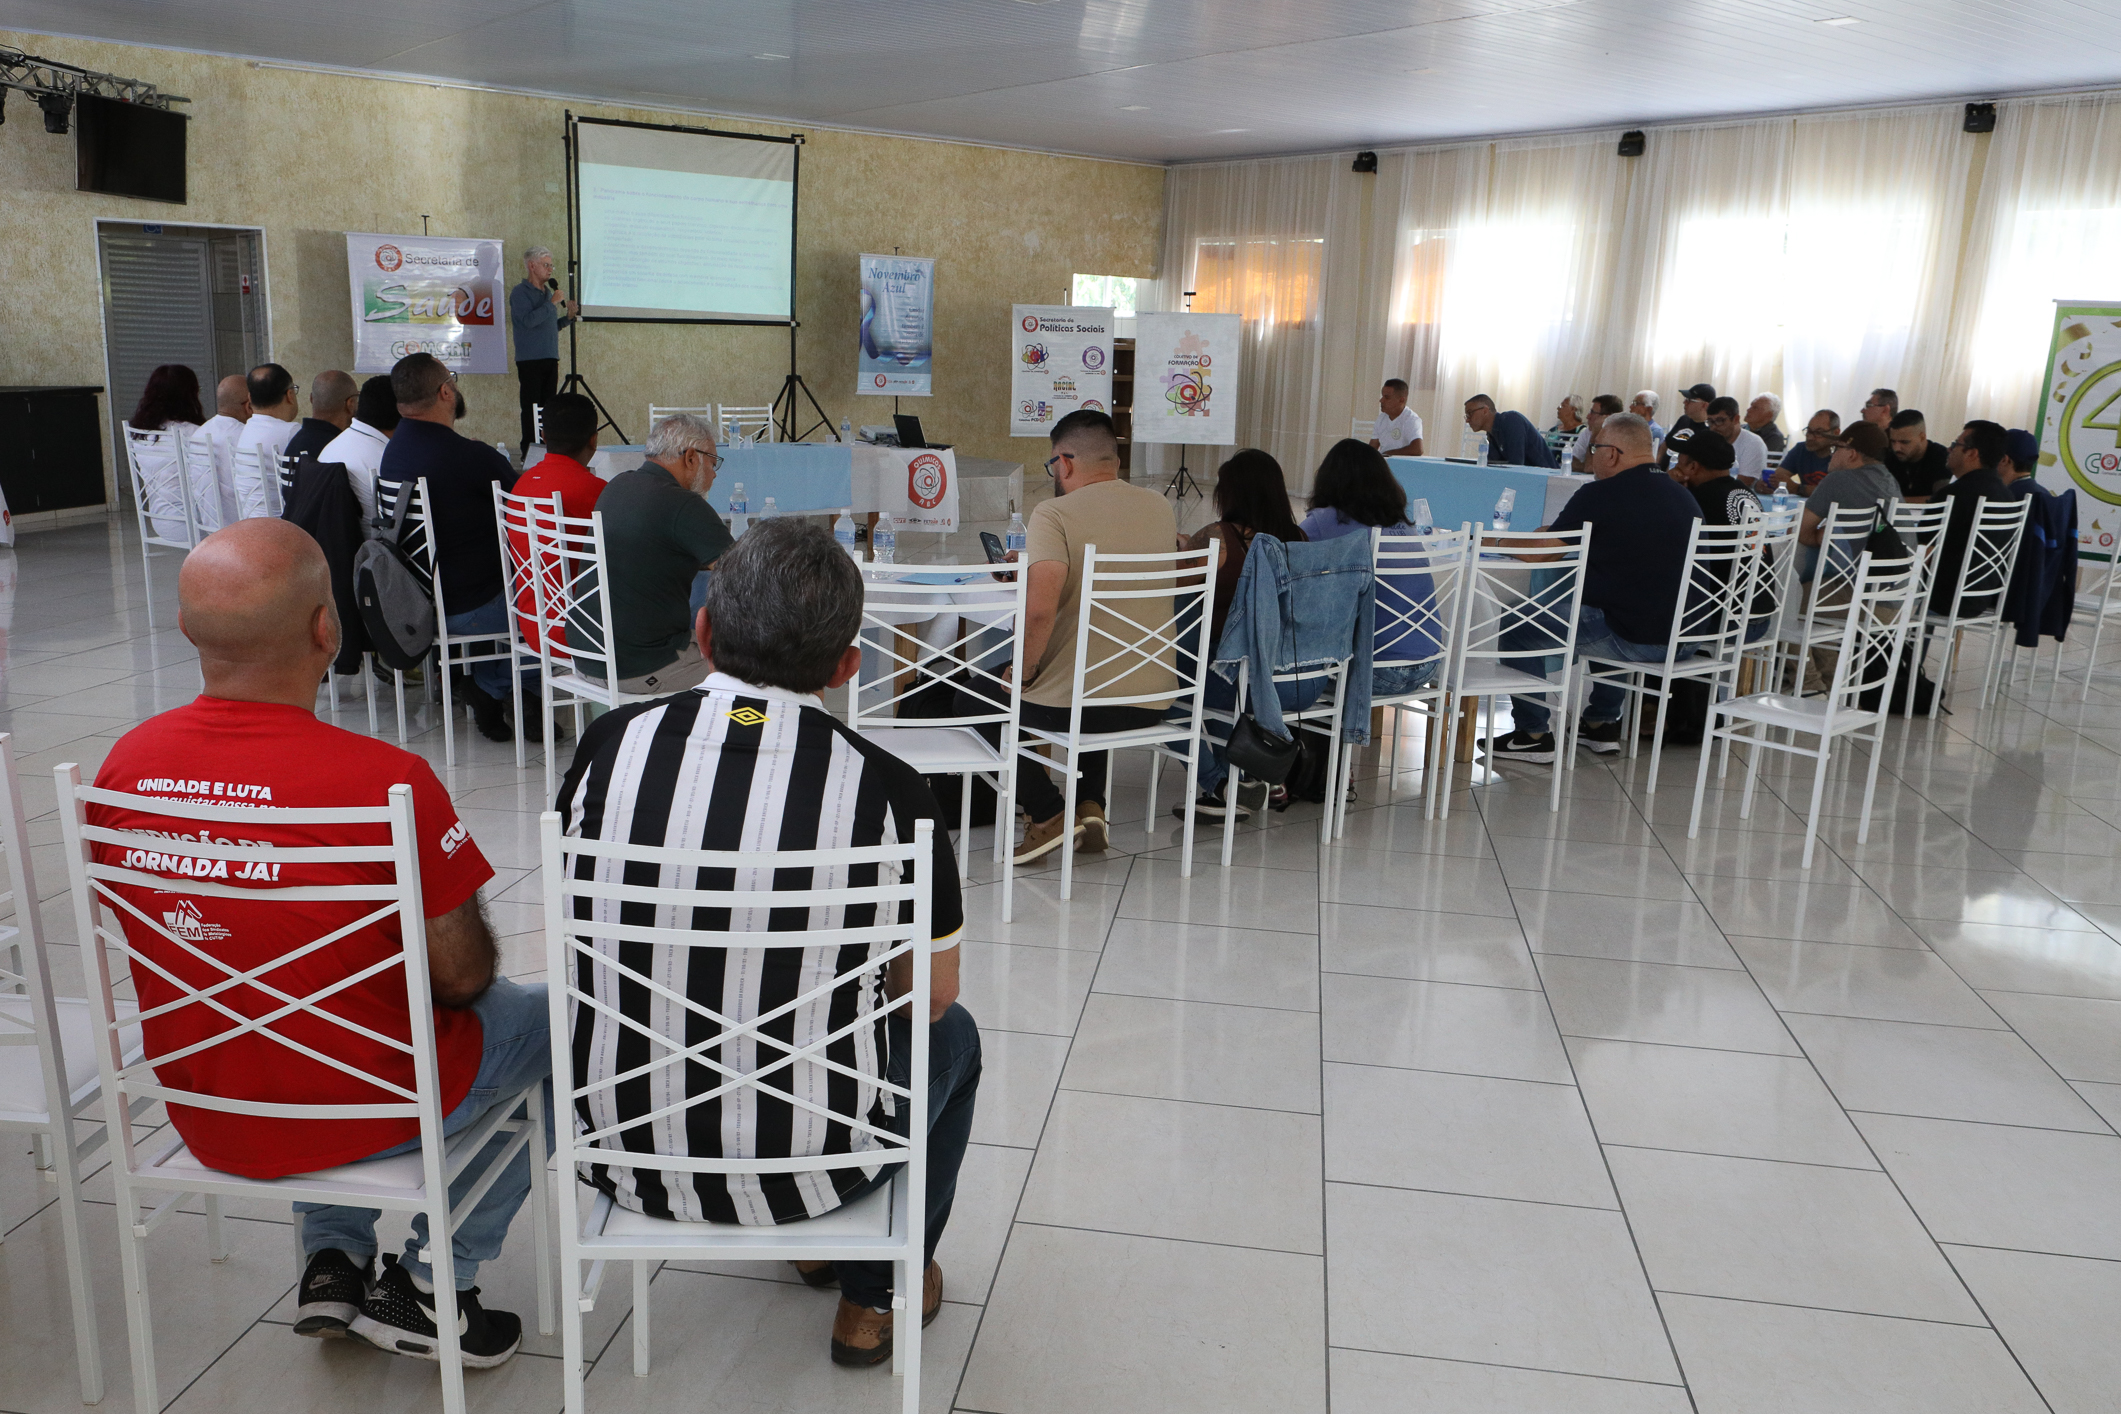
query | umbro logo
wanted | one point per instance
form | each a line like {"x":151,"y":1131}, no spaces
{"x":748,"y":717}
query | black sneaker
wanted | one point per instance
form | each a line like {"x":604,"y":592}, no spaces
{"x":1600,"y":737}
{"x":1211,"y":806}
{"x":400,"y":1318}
{"x":488,"y":714}
{"x":1523,"y":746}
{"x":332,"y":1292}
{"x":1252,"y":796}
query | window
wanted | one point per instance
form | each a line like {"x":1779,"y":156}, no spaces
{"x":1114,"y":290}
{"x":1266,"y":281}
{"x":2049,"y":255}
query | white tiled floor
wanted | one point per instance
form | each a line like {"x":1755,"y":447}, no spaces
{"x":1517,"y":1112}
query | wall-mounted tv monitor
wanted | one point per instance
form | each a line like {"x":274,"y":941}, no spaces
{"x":128,"y":149}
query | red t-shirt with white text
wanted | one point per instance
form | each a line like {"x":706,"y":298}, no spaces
{"x":268,"y":755}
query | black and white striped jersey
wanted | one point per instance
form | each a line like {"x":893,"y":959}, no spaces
{"x":733,"y":766}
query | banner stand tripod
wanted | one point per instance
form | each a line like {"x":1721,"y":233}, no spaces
{"x":575,"y":382}
{"x":784,"y":417}
{"x":1182,"y":481}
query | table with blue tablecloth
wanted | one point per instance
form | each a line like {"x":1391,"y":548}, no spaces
{"x":1460,"y":492}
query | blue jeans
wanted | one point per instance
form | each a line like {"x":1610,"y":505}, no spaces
{"x":518,"y":1051}
{"x":1593,"y":638}
{"x":953,"y":1083}
{"x":492,"y":675}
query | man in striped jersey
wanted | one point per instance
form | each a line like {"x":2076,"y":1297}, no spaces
{"x":750,"y":761}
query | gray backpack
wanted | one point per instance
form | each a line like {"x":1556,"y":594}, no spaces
{"x":397,"y":603}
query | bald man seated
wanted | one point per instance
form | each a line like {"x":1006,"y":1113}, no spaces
{"x":255,"y":599}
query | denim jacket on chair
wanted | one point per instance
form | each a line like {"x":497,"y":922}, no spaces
{"x":1299,"y":606}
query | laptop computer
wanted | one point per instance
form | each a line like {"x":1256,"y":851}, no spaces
{"x":909,"y":433}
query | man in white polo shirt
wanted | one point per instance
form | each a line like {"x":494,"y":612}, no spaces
{"x":231,"y":412}
{"x":360,"y":447}
{"x":275,"y":417}
{"x":1398,"y":426}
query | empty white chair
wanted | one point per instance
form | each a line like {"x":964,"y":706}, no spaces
{"x":153,"y":1174}
{"x":1886,"y":593}
{"x":48,"y":1080}
{"x":1442,"y":555}
{"x":2100,"y":605}
{"x":755,"y":423}
{"x":587,"y":884}
{"x":705,"y":412}
{"x":456,"y":650}
{"x":159,"y":466}
{"x":1984,"y":574}
{"x":899,"y":662}
{"x":1503,"y":593}
{"x":1709,"y":621}
{"x":1140,"y":613}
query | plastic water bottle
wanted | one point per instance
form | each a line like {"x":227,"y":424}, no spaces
{"x":1504,"y":507}
{"x":1017,"y":537}
{"x":502,"y":448}
{"x":846,"y":431}
{"x":843,"y":531}
{"x":1480,"y":448}
{"x":769,"y":510}
{"x":739,"y":511}
{"x":884,"y":541}
{"x":1424,"y":523}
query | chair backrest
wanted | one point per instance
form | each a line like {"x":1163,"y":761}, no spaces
{"x":1716,"y":581}
{"x":162,"y":487}
{"x":1774,"y":584}
{"x":896,"y":601}
{"x":513,"y":518}
{"x":568,"y":567}
{"x":656,"y":414}
{"x":1365,"y":428}
{"x":114,"y":872}
{"x":287,"y":465}
{"x":623,"y":915}
{"x":257,"y":488}
{"x":1141,"y":614}
{"x":1774,"y":460}
{"x":1840,"y":547}
{"x":417,"y":539}
{"x":1494,"y":600}
{"x":203,"y":458}
{"x":1888,"y":595}
{"x":753,"y":422}
{"x":1991,"y":550}
{"x":1922,"y":527}
{"x":1441,"y":555}
{"x":27,"y":1015}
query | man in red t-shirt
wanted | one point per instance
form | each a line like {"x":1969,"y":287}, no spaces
{"x":256,"y":600}
{"x":570,"y":441}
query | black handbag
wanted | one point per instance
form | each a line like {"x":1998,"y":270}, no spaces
{"x":1259,"y":753}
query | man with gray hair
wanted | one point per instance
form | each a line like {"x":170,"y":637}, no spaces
{"x":750,"y":760}
{"x":333,"y":398}
{"x":1645,"y":407}
{"x":535,"y":315}
{"x":659,"y":533}
{"x":1760,"y":415}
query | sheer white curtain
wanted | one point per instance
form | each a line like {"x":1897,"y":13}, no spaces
{"x":1501,"y":261}
{"x":2047,"y":226}
{"x":1267,"y":240}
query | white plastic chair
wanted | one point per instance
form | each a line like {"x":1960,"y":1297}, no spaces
{"x":575,"y":657}
{"x":1491,"y":605}
{"x":755,"y":423}
{"x":159,"y":464}
{"x":208,"y":467}
{"x":146,"y":1168}
{"x":456,"y":650}
{"x":1709,"y":619}
{"x":587,"y":885}
{"x":257,"y":486}
{"x":1841,"y":539}
{"x":1922,"y":527}
{"x":1138,"y":612}
{"x":895,"y":603}
{"x":1444,"y":556}
{"x":704,"y":412}
{"x":514,"y":519}
{"x":2102,"y":607}
{"x":1985,"y":566}
{"x":286,"y":473}
{"x":1872,"y":633}
{"x":48,"y":1077}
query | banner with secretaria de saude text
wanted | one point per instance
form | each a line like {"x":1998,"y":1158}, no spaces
{"x":2080,"y":404}
{"x":442,"y":295}
{"x":1185,"y":378}
{"x":896,"y":354}
{"x":1060,"y":360}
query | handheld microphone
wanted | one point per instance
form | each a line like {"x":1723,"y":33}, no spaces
{"x":551,"y":284}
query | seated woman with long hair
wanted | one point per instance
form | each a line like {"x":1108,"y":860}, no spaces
{"x":169,"y":403}
{"x":1353,"y":491}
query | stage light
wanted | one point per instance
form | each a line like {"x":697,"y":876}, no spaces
{"x":58,"y":107}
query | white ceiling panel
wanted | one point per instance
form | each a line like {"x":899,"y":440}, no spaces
{"x":1169,"y":80}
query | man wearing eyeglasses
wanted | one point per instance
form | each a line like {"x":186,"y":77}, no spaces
{"x":1881,"y":407}
{"x":1805,"y":465}
{"x":275,"y":417}
{"x":1641,"y":520}
{"x":460,"y":475}
{"x":659,"y":533}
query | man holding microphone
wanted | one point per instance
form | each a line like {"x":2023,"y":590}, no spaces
{"x":535,"y":312}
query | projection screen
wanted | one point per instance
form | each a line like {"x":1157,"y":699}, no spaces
{"x":677,"y":225}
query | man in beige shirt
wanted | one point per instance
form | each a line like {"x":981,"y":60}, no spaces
{"x":1091,"y":506}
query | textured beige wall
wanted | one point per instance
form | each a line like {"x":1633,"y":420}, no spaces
{"x":308,"y":156}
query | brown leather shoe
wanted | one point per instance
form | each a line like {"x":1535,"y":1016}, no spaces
{"x":862,"y":1337}
{"x":817,"y":1274}
{"x":1097,"y":833}
{"x":1042,"y":837}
